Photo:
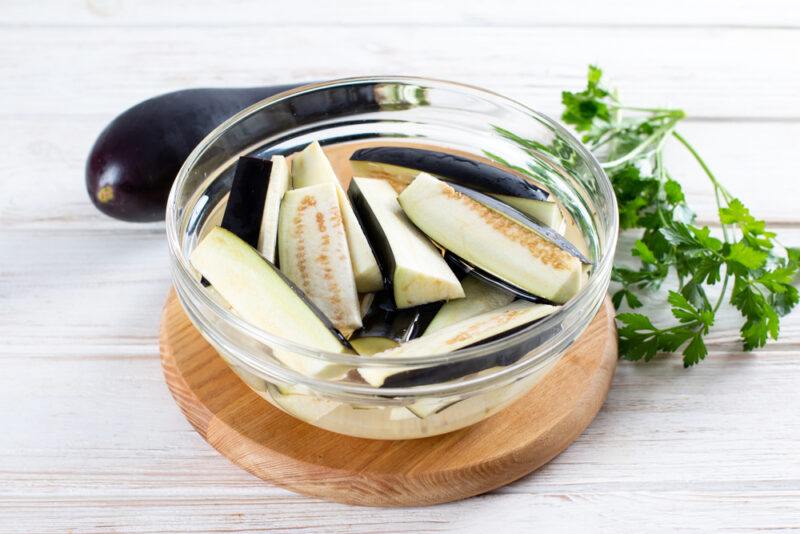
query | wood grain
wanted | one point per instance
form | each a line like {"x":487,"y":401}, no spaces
{"x":726,"y":80}
{"x":290,"y":453}
{"x":457,"y":13}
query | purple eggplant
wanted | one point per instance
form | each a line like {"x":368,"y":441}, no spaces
{"x":134,"y":161}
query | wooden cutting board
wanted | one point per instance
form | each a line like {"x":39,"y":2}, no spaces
{"x":297,"y":456}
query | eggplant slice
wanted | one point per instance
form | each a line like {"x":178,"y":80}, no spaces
{"x":245,"y":206}
{"x":261,"y":295}
{"x":496,"y":241}
{"x":278,"y":185}
{"x":468,"y":172}
{"x":466,"y":333}
{"x":410,"y":263}
{"x":402,"y":164}
{"x":313,"y":250}
{"x":312,"y":167}
{"x":480,"y":298}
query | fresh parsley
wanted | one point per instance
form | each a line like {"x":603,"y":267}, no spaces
{"x":755,"y":271}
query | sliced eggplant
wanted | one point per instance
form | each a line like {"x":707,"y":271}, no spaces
{"x":404,"y":163}
{"x":468,"y":172}
{"x":465,"y":333}
{"x":463,"y":268}
{"x":494,"y":241}
{"x":410,"y":263}
{"x":278,"y":185}
{"x":245,"y":206}
{"x":312,"y":167}
{"x":260,"y":294}
{"x":480,"y":298}
{"x":386,"y":326}
{"x":312,"y":247}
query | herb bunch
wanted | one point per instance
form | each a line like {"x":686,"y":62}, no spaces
{"x":756,"y":273}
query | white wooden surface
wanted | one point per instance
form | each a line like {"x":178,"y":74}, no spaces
{"x":91,"y":440}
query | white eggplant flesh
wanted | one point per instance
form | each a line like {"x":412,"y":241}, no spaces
{"x":490,"y":240}
{"x":278,"y":185}
{"x":261,"y":295}
{"x":479,"y":298}
{"x":312,"y":167}
{"x":546,"y":212}
{"x":368,"y":346}
{"x":459,"y":335}
{"x":418,"y":274}
{"x":313,"y":253}
{"x":306,"y":407}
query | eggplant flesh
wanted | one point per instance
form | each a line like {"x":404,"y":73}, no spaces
{"x":468,"y":172}
{"x":497,"y":243}
{"x":370,"y":345}
{"x":466,"y":333}
{"x":479,"y":298}
{"x":521,"y":218}
{"x":547,"y":213}
{"x":261,"y":295}
{"x":312,"y":167}
{"x":410,"y":263}
{"x":278,"y":185}
{"x":313,"y":250}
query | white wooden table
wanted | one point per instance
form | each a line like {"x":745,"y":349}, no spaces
{"x":91,"y":440}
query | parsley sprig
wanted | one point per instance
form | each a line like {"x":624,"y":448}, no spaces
{"x":755,"y":271}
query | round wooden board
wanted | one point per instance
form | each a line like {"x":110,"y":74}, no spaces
{"x":300,"y":457}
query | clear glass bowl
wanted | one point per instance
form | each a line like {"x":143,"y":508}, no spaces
{"x":397,"y":109}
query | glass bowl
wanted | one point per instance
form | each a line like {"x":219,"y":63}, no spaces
{"x":458,"y":391}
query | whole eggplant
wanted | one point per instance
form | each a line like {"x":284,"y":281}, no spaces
{"x":135,"y":159}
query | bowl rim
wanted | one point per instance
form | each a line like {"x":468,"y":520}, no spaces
{"x":184,"y":278}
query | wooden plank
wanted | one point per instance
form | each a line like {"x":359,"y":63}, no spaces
{"x":751,"y":159}
{"x":67,"y":295}
{"x":681,"y":13}
{"x":711,"y":73}
{"x":666,"y":440}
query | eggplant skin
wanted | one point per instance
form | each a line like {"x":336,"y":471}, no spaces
{"x":377,"y":240}
{"x":468,"y":172}
{"x":384,"y":319}
{"x":246,"y":200}
{"x":135,"y":159}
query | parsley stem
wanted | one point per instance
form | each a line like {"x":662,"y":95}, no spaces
{"x":718,"y":189}
{"x":677,"y":113}
{"x":657,"y":135}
